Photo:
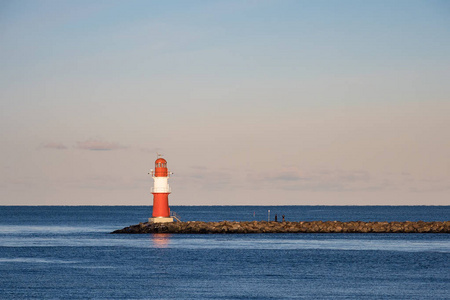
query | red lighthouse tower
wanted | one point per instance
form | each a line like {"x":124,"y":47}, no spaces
{"x":160,"y":191}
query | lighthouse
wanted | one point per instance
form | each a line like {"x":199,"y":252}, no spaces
{"x":160,"y":191}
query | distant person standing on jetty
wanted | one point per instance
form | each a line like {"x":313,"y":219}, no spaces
{"x":276,"y":218}
{"x":283,"y":218}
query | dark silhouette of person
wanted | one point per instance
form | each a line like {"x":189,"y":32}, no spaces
{"x":276,"y":218}
{"x":283,"y":217}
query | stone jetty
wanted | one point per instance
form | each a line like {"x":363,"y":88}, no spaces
{"x":289,"y":227}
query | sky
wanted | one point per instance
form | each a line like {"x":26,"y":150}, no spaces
{"x":250,"y":102}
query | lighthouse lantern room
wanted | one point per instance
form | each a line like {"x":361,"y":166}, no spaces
{"x":160,"y":191}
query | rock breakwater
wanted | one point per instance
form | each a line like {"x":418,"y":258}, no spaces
{"x":289,"y":227}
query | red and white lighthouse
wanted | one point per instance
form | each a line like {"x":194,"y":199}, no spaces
{"x":161,"y":191}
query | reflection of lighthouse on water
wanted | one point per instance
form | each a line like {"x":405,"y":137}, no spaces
{"x":160,"y":240}
{"x":161,"y":191}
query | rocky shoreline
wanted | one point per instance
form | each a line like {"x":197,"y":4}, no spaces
{"x":288,"y":227}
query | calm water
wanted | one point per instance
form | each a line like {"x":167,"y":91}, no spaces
{"x":67,"y":252}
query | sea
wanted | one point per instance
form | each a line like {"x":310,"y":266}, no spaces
{"x":67,"y":252}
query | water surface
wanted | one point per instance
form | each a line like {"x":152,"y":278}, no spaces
{"x":67,"y":252}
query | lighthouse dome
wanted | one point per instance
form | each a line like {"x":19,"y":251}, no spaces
{"x":160,"y":161}
{"x":161,"y":168}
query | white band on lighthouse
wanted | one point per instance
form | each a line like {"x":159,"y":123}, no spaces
{"x":161,"y":185}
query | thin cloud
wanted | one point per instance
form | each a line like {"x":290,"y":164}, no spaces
{"x":58,"y":146}
{"x":430,"y":185}
{"x":97,"y":145}
{"x":151,"y":150}
{"x":322,"y":180}
{"x":282,"y":175}
{"x":206,"y":178}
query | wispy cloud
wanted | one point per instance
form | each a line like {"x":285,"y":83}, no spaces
{"x":53,"y":145}
{"x":319,"y":180}
{"x":98,"y":145}
{"x":106,"y":182}
{"x":151,"y":150}
{"x":430,"y":185}
{"x":281,"y":175}
{"x":206,"y":178}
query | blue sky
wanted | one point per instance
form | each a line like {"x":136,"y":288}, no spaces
{"x":251,"y":102}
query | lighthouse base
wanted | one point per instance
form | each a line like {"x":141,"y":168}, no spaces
{"x":160,"y":220}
